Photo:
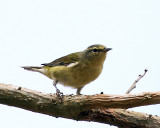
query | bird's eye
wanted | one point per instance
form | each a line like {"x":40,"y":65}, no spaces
{"x":95,"y":50}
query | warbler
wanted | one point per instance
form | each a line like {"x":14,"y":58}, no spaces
{"x":76,"y":69}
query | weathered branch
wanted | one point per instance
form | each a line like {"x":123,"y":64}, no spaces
{"x":136,"y":81}
{"x":76,"y":107}
{"x":122,"y":118}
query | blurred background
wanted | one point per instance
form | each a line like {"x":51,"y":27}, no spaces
{"x":33,"y":32}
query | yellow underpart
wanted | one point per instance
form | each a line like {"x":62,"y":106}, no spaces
{"x":75,"y":76}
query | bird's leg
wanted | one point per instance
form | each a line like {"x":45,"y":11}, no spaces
{"x":54,"y":84}
{"x":79,"y":90}
{"x":60,"y":94}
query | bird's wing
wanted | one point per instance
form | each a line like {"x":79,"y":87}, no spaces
{"x":64,"y":61}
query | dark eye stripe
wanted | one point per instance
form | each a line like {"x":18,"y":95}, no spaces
{"x":97,"y":50}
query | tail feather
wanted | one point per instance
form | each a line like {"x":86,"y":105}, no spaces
{"x":35,"y":69}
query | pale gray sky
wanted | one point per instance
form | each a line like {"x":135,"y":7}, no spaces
{"x":36,"y":31}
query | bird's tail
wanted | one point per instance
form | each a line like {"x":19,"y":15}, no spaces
{"x":34,"y":69}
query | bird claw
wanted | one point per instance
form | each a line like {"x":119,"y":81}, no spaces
{"x":59,"y":94}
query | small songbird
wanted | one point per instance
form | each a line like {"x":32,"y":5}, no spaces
{"x":76,"y":69}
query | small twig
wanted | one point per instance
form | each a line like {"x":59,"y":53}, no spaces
{"x":136,"y":81}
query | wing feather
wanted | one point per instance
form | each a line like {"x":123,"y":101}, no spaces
{"x":64,"y":61}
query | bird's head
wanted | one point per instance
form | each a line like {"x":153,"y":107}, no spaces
{"x":96,"y":52}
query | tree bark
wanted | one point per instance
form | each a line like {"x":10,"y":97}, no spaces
{"x":122,"y":118}
{"x":85,"y":107}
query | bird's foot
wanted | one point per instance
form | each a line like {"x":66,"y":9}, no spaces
{"x":59,"y":94}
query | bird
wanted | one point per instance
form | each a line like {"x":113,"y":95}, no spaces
{"x":76,"y":69}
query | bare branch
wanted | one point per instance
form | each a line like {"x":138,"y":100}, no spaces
{"x":122,"y":118}
{"x":25,"y":98}
{"x":83,"y":107}
{"x":136,"y":81}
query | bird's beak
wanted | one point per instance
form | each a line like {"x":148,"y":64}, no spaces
{"x":107,"y":49}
